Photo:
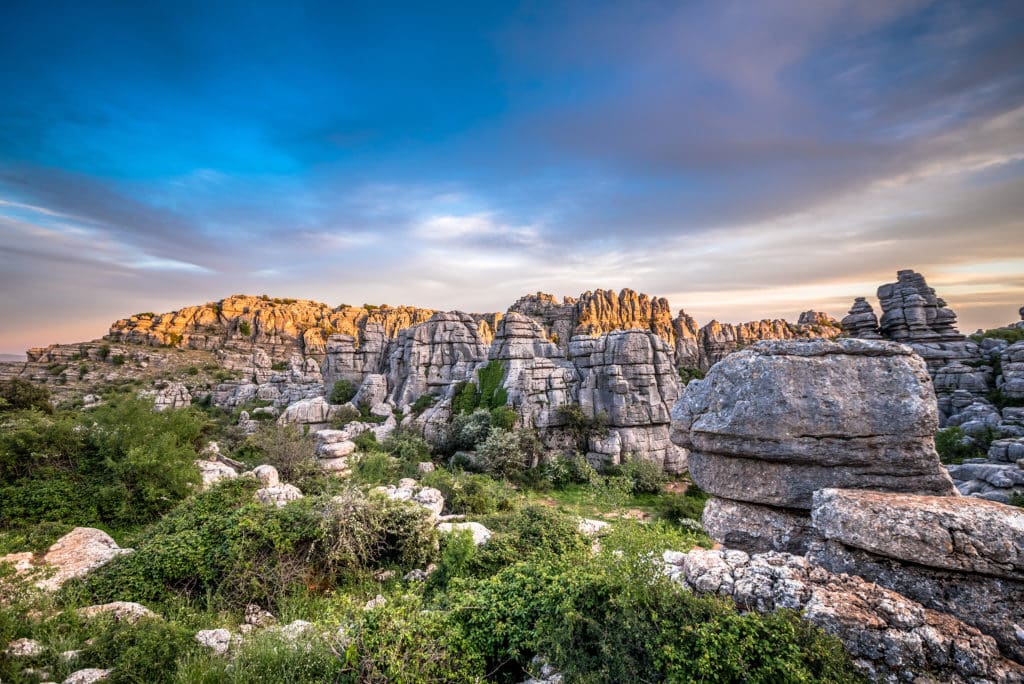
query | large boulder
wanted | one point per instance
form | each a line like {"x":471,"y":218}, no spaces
{"x":78,"y":553}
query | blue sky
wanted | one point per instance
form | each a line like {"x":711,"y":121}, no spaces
{"x":743,"y":159}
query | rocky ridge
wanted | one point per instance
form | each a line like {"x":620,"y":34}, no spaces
{"x":829,"y":496}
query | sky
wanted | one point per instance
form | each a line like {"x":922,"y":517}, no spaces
{"x":744,"y":160}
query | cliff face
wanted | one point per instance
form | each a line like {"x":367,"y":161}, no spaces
{"x":279,"y":326}
{"x":603,"y":311}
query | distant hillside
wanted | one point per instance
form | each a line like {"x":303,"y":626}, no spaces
{"x":12,"y":358}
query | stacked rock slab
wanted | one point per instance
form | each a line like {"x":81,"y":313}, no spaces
{"x":962,"y":556}
{"x":772,"y":424}
{"x":861,"y":321}
{"x":629,"y":377}
{"x":432,"y":357}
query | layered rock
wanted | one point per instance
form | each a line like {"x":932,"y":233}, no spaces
{"x":629,"y":377}
{"x":432,"y":357}
{"x":1012,"y":364}
{"x":772,"y":424}
{"x":890,"y":637}
{"x":861,"y":321}
{"x":962,"y":556}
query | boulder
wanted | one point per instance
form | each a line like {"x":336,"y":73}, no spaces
{"x":279,"y":495}
{"x":87,"y":676}
{"x":24,"y":648}
{"x":217,"y":640}
{"x":78,"y":553}
{"x":481,"y":535}
{"x":962,"y":534}
{"x":212,"y":472}
{"x":121,"y":611}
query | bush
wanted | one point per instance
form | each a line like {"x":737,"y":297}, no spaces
{"x":117,"y":359}
{"x":646,"y":476}
{"x":407,"y":447}
{"x":582,"y":427}
{"x":279,"y":366}
{"x":487,"y":394}
{"x":17,"y":394}
{"x":223,"y":546}
{"x":688,"y":506}
{"x":342,"y":392}
{"x":508,"y":453}
{"x":1017,"y":500}
{"x":469,"y":494}
{"x":563,"y":470}
{"x":953,"y":446}
{"x":366,"y":441}
{"x":465,"y":432}
{"x":120,"y":464}
{"x":1011,"y":335}
{"x":245,"y":329}
{"x":268,"y":656}
{"x":146,"y":651}
{"x":422,"y":403}
{"x":103,"y":352}
{"x":688,"y":374}
{"x":344,"y":415}
{"x":504,"y":418}
{"x":283,"y":446}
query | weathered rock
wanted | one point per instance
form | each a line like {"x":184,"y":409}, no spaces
{"x":481,"y":535}
{"x":778,"y":421}
{"x":212,"y":472}
{"x":1012,"y":364}
{"x":217,"y":640}
{"x":431,"y":357}
{"x":24,"y":648}
{"x":889,"y":636}
{"x":755,"y":529}
{"x":78,"y":553}
{"x":373,"y":390}
{"x":122,"y":611}
{"x":279,"y":495}
{"x":267,"y":475}
{"x":316,"y":413}
{"x":592,"y":528}
{"x":173,"y":396}
{"x":87,"y":676}
{"x":431,"y":499}
{"x":963,"y":534}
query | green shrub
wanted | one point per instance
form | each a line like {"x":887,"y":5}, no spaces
{"x":279,"y":366}
{"x":146,"y":651}
{"x":646,"y":476}
{"x":688,"y":374}
{"x":366,"y":441}
{"x":17,"y":394}
{"x":223,"y":546}
{"x":120,"y":464}
{"x":343,"y":392}
{"x":283,"y":446}
{"x":268,"y":656}
{"x":344,"y":415}
{"x":1017,"y":500}
{"x":1001,"y":401}
{"x":403,"y":642}
{"x":1011,"y":335}
{"x":687,"y":506}
{"x":118,"y":359}
{"x":56,"y":368}
{"x":562,"y":470}
{"x":103,"y":352}
{"x":376,"y":467}
{"x":245,"y":329}
{"x":469,"y":494}
{"x":582,"y":427}
{"x":407,"y":447}
{"x":487,"y":394}
{"x":503,"y":417}
{"x":422,"y":403}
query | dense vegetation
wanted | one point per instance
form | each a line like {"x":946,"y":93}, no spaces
{"x":598,"y":612}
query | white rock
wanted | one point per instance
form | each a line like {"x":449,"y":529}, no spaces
{"x":267,"y":474}
{"x":212,"y":472}
{"x":431,"y":499}
{"x":23,"y":648}
{"x":279,"y":495}
{"x":376,"y":602}
{"x":296,"y":629}
{"x":591,"y":527}
{"x":126,"y":611}
{"x":218,"y":640}
{"x":336,"y":449}
{"x":87,"y":676}
{"x":481,"y":534}
{"x":78,"y":553}
{"x":425,"y":467}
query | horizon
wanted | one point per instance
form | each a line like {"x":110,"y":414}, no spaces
{"x":744,"y":162}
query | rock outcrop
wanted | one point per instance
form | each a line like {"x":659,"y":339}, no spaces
{"x":772,"y":424}
{"x":78,"y":553}
{"x":961,"y":556}
{"x":890,"y":637}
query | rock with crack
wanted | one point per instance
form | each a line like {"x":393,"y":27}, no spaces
{"x":279,"y":495}
{"x":87,"y":676}
{"x":212,"y":472}
{"x":890,"y":637}
{"x":217,"y":640}
{"x":121,"y":611}
{"x":770,"y":425}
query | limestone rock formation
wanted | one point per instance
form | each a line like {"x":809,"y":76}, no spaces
{"x":629,"y":376}
{"x":861,"y":321}
{"x":481,"y":535}
{"x":961,"y":556}
{"x":889,"y":636}
{"x":78,"y":553}
{"x":771,"y":424}
{"x":1012,"y":363}
{"x":431,"y":357}
{"x":121,"y":611}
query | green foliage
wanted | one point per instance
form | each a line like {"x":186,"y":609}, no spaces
{"x":279,"y":366}
{"x":687,"y":506}
{"x":118,"y":359}
{"x":422,"y":403}
{"x":342,"y":392}
{"x":245,"y":329}
{"x":1001,"y":401}
{"x":953,"y":446}
{"x":1017,"y":500}
{"x":121,"y":464}
{"x":1011,"y":335}
{"x":605,"y":620}
{"x":562,"y":470}
{"x":17,"y":394}
{"x":56,"y":368}
{"x":688,"y":374}
{"x":582,"y":427}
{"x":268,"y":656}
{"x":646,"y":477}
{"x":375,"y":468}
{"x":402,"y":642}
{"x":222,"y":545}
{"x":142,"y":652}
{"x":470,"y":494}
{"x":507,"y":453}
{"x":173,"y":339}
{"x":503,"y":417}
{"x":465,"y":432}
{"x":487,"y":393}
{"x":103,"y":352}
{"x":408,"y":447}
{"x":366,"y":441}
{"x":344,"y":415}
{"x":283,"y":446}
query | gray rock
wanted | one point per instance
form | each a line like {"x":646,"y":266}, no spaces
{"x":757,"y":529}
{"x":963,"y":534}
{"x":217,"y":640}
{"x":78,"y":553}
{"x":279,"y":495}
